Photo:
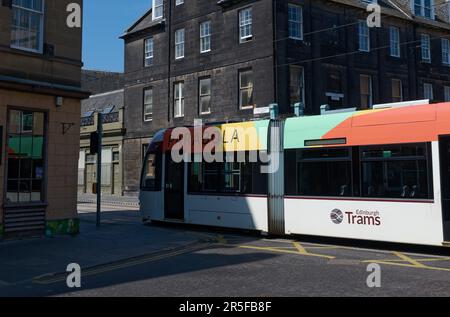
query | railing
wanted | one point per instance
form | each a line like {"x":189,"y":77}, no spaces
{"x":107,"y":118}
{"x":87,"y":121}
{"x":111,"y":117}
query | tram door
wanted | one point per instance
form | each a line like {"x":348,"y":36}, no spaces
{"x":444,"y":148}
{"x":174,"y":190}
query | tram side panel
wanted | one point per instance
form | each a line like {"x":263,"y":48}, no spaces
{"x":228,"y":211}
{"x":416,"y":223}
{"x":402,"y":221}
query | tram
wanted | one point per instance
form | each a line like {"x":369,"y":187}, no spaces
{"x":381,"y":174}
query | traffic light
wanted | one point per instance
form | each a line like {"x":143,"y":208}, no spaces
{"x":94,"y":143}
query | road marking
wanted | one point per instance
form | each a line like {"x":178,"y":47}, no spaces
{"x":299,"y":250}
{"x":407,"y":261}
{"x":302,"y":250}
{"x":60,"y":277}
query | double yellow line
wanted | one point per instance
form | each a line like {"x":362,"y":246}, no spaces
{"x":61,"y":277}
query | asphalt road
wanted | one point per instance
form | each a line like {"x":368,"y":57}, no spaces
{"x":239,"y":265}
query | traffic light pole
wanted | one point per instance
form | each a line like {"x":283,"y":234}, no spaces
{"x":99,"y":166}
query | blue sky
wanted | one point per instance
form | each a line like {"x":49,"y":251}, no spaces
{"x":104,"y":22}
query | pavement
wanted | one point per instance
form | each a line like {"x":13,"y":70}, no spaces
{"x":126,"y":258}
{"x":110,"y":200}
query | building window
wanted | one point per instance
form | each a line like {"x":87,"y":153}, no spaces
{"x":204,"y":92}
{"x":446,"y":93}
{"x":394,"y":33}
{"x":365,"y":82}
{"x":179,"y":44}
{"x":179,"y":2}
{"x":425,"y":48}
{"x":148,"y":104}
{"x":297,"y":85}
{"x":246,"y":89}
{"x":91,"y":158}
{"x":205,"y":37}
{"x":364,"y":36}
{"x":158,"y":9}
{"x":27,"y":25}
{"x":428,"y":91}
{"x":445,"y":51}
{"x":424,"y":8}
{"x":149,"y":52}
{"x":116,"y":155}
{"x":25,"y":155}
{"x":397,"y":90}
{"x":334,"y":91}
{"x":178,"y":111}
{"x":295,"y":20}
{"x":245,"y":25}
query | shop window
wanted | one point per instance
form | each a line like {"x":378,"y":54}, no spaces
{"x":25,"y":155}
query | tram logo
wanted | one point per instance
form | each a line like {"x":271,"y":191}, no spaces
{"x":337,"y":216}
{"x":358,"y":217}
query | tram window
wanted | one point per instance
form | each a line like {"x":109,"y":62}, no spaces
{"x":211,"y":172}
{"x":389,"y":151}
{"x":232,"y":177}
{"x":325,"y":179}
{"x":317,"y":154}
{"x":395,"y":172}
{"x":195,"y":177}
{"x":228,"y":177}
{"x":323,"y":172}
{"x":151,"y":177}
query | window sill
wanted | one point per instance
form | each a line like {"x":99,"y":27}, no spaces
{"x":243,"y":41}
{"x":28,"y":50}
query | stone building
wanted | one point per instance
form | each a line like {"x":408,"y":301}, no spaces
{"x":110,"y":104}
{"x":40,"y":93}
{"x":219,"y":60}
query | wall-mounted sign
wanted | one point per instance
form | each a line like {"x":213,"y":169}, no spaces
{"x":261,"y":111}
